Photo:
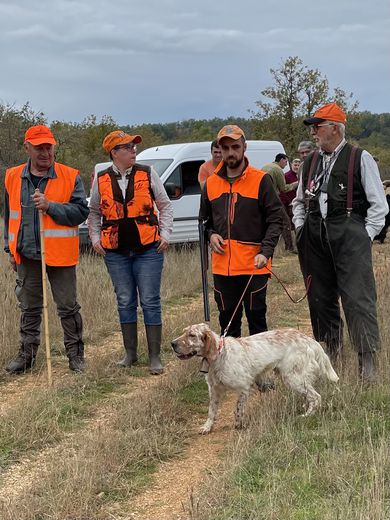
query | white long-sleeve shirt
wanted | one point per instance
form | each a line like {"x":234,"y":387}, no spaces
{"x":163,"y":204}
{"x":372,"y":186}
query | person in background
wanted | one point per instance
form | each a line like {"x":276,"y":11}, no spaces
{"x":208,"y":167}
{"x":57,"y":190}
{"x":125,"y":229}
{"x":336,"y":217}
{"x":275,"y":170}
{"x":304,"y":149}
{"x":287,"y":197}
{"x":243,"y":218}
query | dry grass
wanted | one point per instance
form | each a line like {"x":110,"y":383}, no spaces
{"x":335,"y":465}
{"x":95,"y":440}
{"x":112,"y":460}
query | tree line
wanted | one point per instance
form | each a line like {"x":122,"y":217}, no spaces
{"x":295,"y":93}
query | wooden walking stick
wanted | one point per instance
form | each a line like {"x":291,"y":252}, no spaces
{"x":44,"y":293}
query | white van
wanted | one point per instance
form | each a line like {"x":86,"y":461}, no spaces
{"x":178,"y":166}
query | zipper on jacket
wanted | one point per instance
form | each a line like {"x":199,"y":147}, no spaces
{"x":36,"y":219}
{"x":228,"y":219}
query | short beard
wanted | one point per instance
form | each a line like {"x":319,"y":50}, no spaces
{"x":233,"y":163}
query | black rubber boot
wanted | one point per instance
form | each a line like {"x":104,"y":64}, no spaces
{"x":24,"y":360}
{"x":130,"y":342}
{"x":367,"y":369}
{"x":153,"y":336}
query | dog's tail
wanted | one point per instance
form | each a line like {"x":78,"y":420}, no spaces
{"x":324,"y":363}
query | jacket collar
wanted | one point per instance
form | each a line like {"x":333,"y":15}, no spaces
{"x":51,"y":174}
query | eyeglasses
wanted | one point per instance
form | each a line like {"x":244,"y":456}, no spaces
{"x":316,"y":126}
{"x":131,"y":147}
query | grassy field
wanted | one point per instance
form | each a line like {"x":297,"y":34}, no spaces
{"x":87,"y":448}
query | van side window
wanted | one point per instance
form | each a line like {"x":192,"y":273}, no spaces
{"x":183,"y":180}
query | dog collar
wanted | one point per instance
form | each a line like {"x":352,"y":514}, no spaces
{"x":221,"y":343}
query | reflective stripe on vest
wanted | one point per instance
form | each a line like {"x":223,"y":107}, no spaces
{"x":61,"y":242}
{"x":14,"y":214}
{"x":61,"y":233}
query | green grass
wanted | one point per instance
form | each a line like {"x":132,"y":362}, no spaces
{"x":323,"y":468}
{"x":44,"y":419}
{"x":195,"y":396}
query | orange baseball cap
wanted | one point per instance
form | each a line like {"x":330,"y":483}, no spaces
{"x":39,"y":134}
{"x":232,"y":131}
{"x":329,"y":112}
{"x":119,"y":137}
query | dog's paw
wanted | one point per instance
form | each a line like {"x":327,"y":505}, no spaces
{"x":206,"y":428}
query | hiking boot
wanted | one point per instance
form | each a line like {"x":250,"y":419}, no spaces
{"x":75,"y":355}
{"x":367,"y":369}
{"x":153,"y":336}
{"x":24,"y":361}
{"x":77,"y":364}
{"x":130,"y":342}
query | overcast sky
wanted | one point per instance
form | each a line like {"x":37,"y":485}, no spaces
{"x":170,"y":60}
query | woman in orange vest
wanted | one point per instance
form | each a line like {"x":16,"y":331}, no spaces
{"x":125,"y":229}
{"x":57,"y":190}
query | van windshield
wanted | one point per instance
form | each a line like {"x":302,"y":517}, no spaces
{"x":160,"y":165}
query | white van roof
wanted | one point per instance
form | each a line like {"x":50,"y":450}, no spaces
{"x":187,"y":150}
{"x":196,"y":151}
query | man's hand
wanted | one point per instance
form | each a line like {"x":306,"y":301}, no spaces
{"x":97,"y":247}
{"x":40,"y":201}
{"x":217,"y":244}
{"x":163,"y":245}
{"x":12,"y":261}
{"x":260,"y":261}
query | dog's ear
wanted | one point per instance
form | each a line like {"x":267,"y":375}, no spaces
{"x":210,"y":351}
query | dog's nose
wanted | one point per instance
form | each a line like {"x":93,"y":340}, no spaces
{"x":173,"y":344}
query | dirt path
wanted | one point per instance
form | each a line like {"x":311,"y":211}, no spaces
{"x":175,"y":483}
{"x":172,"y":491}
{"x":168,"y":497}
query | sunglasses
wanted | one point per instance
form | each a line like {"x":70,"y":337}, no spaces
{"x":131,"y":147}
{"x":316,"y":126}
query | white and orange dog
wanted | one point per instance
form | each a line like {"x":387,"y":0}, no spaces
{"x":238,"y":363}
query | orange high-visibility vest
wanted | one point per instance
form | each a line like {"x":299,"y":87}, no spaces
{"x":138,"y":207}
{"x":237,"y":218}
{"x":61,"y":242}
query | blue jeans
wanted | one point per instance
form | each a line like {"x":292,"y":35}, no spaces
{"x":136,"y":275}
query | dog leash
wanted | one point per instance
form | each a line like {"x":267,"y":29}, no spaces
{"x":222,"y":338}
{"x":307,"y":285}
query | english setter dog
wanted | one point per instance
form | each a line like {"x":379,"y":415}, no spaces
{"x":238,"y":363}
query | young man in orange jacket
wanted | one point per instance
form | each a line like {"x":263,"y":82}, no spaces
{"x":243,"y":216}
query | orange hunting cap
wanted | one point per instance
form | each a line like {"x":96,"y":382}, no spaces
{"x":39,"y":134}
{"x":232,"y":131}
{"x":119,"y":137}
{"x":329,"y":112}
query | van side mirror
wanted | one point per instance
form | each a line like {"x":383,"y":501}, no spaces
{"x":172,"y":190}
